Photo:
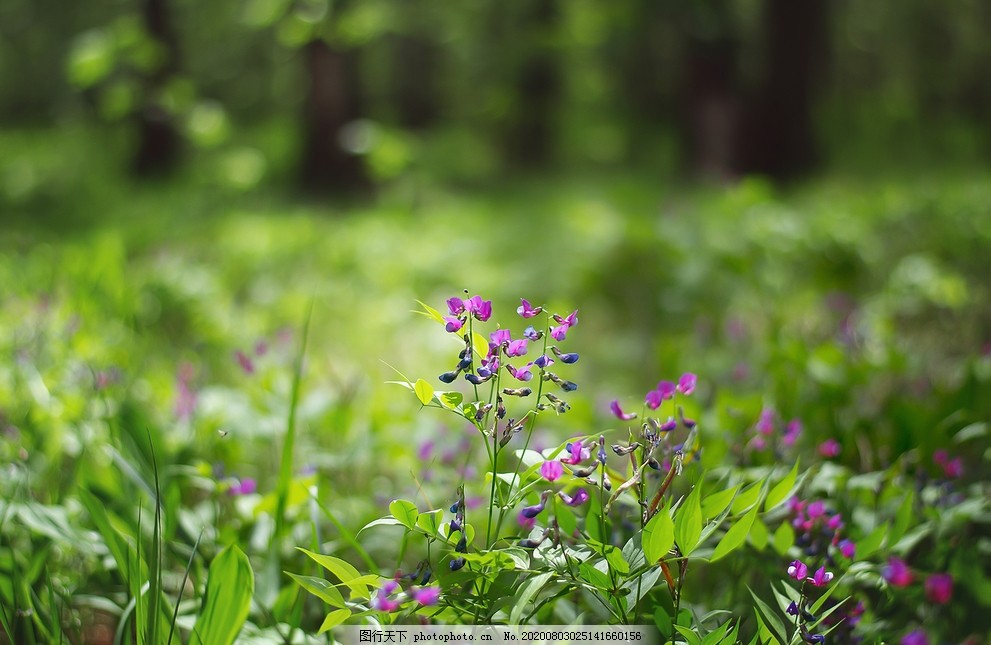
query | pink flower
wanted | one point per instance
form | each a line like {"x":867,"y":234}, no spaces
{"x":521,"y":374}
{"x":821,"y":577}
{"x":456,"y":306}
{"x":797,"y":570}
{"x":516,"y":348}
{"x":939,"y":588}
{"x":579,"y":453}
{"x":551,"y":470}
{"x":897,"y":573}
{"x":453,"y":324}
{"x":765,"y":425}
{"x":381,"y":600}
{"x":847,"y":548}
{"x":244,"y":362}
{"x":916,"y":637}
{"x":559,"y":333}
{"x":686,"y":384}
{"x":618,"y":411}
{"x":500,"y":336}
{"x":829,"y":448}
{"x":526,"y":310}
{"x":816,"y":510}
{"x":792,"y":431}
{"x":426,"y":595}
{"x":480,"y":309}
{"x":581,"y":496}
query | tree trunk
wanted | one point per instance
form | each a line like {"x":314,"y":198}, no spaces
{"x":414,"y":83}
{"x":158,"y":140}
{"x":331,"y":159}
{"x":781,"y":139}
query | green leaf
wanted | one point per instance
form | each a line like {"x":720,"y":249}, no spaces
{"x":784,"y":538}
{"x":342,"y":569}
{"x":595,"y":577}
{"x":334,"y":619}
{"x":717,"y":635}
{"x":430,"y":522}
{"x":902,"y":519}
{"x":614,"y":556}
{"x":430,"y":312}
{"x":735,"y":536}
{"x":782,"y":490}
{"x":320,"y":588}
{"x":525,"y":593}
{"x":658,"y":536}
{"x":688,"y":524}
{"x":758,"y":535}
{"x":382,"y":521}
{"x":592,"y":523}
{"x":747,"y":498}
{"x":450,"y":400}
{"x":404,"y":511}
{"x":229,"y":587}
{"x":769,"y":618}
{"x":872,"y":542}
{"x":663,"y":621}
{"x":424,"y":391}
{"x":480,"y":344}
{"x":716,"y":503}
{"x":690,"y":636}
{"x":565,"y":517}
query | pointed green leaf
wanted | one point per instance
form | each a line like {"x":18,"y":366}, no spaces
{"x":382,"y":521}
{"x":480,"y":344}
{"x":769,"y":618}
{"x":404,"y":511}
{"x":658,"y":536}
{"x":716,"y":503}
{"x":450,"y":400}
{"x":759,"y":535}
{"x":342,"y":569}
{"x":334,"y":619}
{"x":320,"y":588}
{"x":735,"y":536}
{"x":688,"y":524}
{"x":872,"y":542}
{"x":595,"y":577}
{"x":902,"y":519}
{"x":690,"y":637}
{"x":784,"y":538}
{"x":525,"y":593}
{"x":782,"y":490}
{"x":424,"y":391}
{"x":431,"y":313}
{"x":430,"y":522}
{"x":229,"y":587}
{"x":747,"y":498}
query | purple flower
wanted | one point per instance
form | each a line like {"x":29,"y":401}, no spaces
{"x":244,"y":362}
{"x":453,"y":324}
{"x":792,"y":431}
{"x":765,"y":425}
{"x":526,"y":310}
{"x":939,"y":588}
{"x":686,"y":384}
{"x":618,"y":411}
{"x":666,"y":389}
{"x":245,"y":486}
{"x":185,"y":403}
{"x":426,"y":595}
{"x":530,"y":512}
{"x":532,"y":334}
{"x":381,"y":600}
{"x":543,"y":361}
{"x":847,"y":548}
{"x":579,"y":453}
{"x":668,"y":425}
{"x":580,"y":497}
{"x":500,"y":336}
{"x":829,"y":448}
{"x":821,"y":577}
{"x":456,"y":306}
{"x":916,"y":637}
{"x":551,"y":470}
{"x":816,"y":510}
{"x":572,"y":319}
{"x":897,"y":573}
{"x":792,"y":608}
{"x":654,"y":399}
{"x":521,"y":374}
{"x":480,"y":309}
{"x":797,"y":570}
{"x":516,"y":348}
{"x":559,"y":333}
{"x":457,"y":563}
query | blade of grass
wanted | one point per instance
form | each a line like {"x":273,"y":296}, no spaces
{"x":347,"y":536}
{"x":155,"y":561}
{"x":182,"y":586}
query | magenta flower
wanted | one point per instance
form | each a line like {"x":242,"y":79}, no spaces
{"x":581,"y":496}
{"x":816,"y":510}
{"x":521,"y":374}
{"x":686,"y":384}
{"x":526,"y":310}
{"x":572,"y":319}
{"x":797,"y":570}
{"x":916,"y":637}
{"x":765,"y":425}
{"x":426,"y":595}
{"x":480,"y":309}
{"x":500,"y":336}
{"x":829,"y":448}
{"x":244,"y":362}
{"x":551,"y":470}
{"x":952,"y":468}
{"x":516,"y":348}
{"x":939,"y":588}
{"x":381,"y":600}
{"x":847,"y":548}
{"x":456,"y":306}
{"x":532,"y":334}
{"x":897,"y":573}
{"x":792,"y":431}
{"x":668,"y":425}
{"x":618,"y":411}
{"x":821,"y":577}
{"x":245,"y":486}
{"x":579,"y":453}
{"x":453,"y":324}
{"x":654,"y":399}
{"x":666,"y":389}
{"x":559,"y":333}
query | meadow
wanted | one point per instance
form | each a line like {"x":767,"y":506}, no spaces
{"x":230,"y":413}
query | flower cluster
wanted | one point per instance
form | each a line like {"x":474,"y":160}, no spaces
{"x":819,"y":532}
{"x":458,"y":526}
{"x":390,"y":596}
{"x":938,"y":586}
{"x":766,"y":427}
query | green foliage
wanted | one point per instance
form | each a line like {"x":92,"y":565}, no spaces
{"x":227,"y":599}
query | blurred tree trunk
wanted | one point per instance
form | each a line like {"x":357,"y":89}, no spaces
{"x":780,"y":139}
{"x":415,"y":94}
{"x":530,"y":138}
{"x":330,"y":160}
{"x":158,"y":139}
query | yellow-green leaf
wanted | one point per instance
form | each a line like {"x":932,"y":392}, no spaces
{"x":716,"y":503}
{"x":658,"y":536}
{"x":334,"y":619}
{"x":784,"y":538}
{"x":747,"y":498}
{"x":404,"y":511}
{"x":782,"y":489}
{"x":229,"y":587}
{"x":735,"y":536}
{"x":424,"y":392}
{"x":688,"y":524}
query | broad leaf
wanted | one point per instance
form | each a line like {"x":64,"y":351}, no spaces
{"x":688,"y":524}
{"x":782,"y":490}
{"x":735,"y":536}
{"x":424,"y":392}
{"x":404,"y":511}
{"x":229,"y":587}
{"x":658,"y":536}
